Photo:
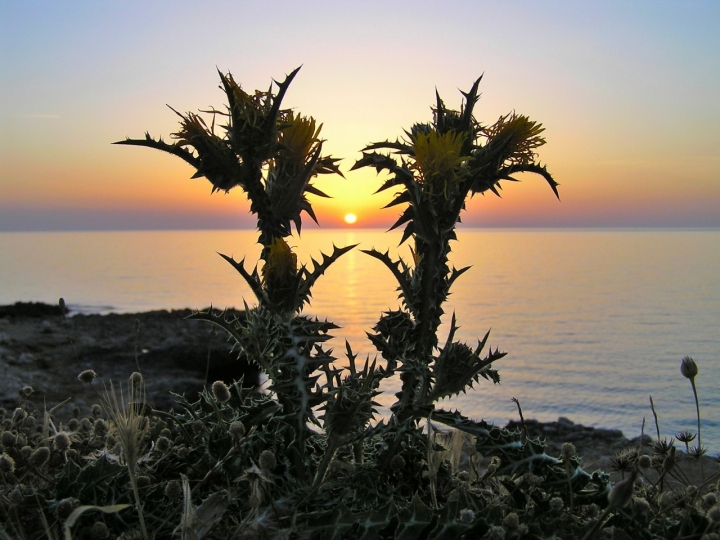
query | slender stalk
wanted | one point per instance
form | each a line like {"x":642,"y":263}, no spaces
{"x":697,"y":409}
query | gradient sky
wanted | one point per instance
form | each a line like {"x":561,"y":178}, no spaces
{"x":628,"y":93}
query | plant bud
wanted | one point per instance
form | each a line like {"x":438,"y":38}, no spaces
{"x":467,"y":515}
{"x":71,"y":454}
{"x":267,"y":461}
{"x":61,"y":441}
{"x":714,"y":514}
{"x":645,"y":461}
{"x":87,"y":377}
{"x":511,"y":521}
{"x":39,"y":457}
{"x":173,"y":490}
{"x":100,"y":426}
{"x":397,"y":463}
{"x":27,"y":390}
{"x":61,"y":303}
{"x":15,"y":496}
{"x":73,"y":424}
{"x":7,"y":464}
{"x":19,"y":415}
{"x":8,"y":439}
{"x":66,"y":506}
{"x":688,"y":368}
{"x":162,"y":445}
{"x":220,"y":392}
{"x":710,"y":499}
{"x":25,"y":452}
{"x":96,"y":410}
{"x":99,"y":531}
{"x":237,"y":429}
{"x":568,"y":450}
{"x":165,"y":432}
{"x":621,"y":493}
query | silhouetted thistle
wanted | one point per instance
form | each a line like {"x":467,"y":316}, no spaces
{"x":689,"y":370}
{"x":685,"y":437}
{"x":87,"y":376}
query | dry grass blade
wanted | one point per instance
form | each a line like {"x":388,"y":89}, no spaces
{"x":128,"y":426}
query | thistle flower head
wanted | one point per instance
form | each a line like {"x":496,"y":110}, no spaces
{"x":688,"y":368}
{"x":267,"y":460}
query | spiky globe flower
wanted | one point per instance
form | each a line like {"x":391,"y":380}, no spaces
{"x":162,"y":445}
{"x":99,"y":531}
{"x":66,"y":506}
{"x":220,"y":392}
{"x":688,"y":368}
{"x":267,"y":460}
{"x":39,"y":457}
{"x":25,"y":452}
{"x":8,"y":439}
{"x":87,"y":376}
{"x":61,"y":441}
{"x":16,"y":495}
{"x":237,"y":429}
{"x":173,"y":490}
{"x":7,"y":464}
{"x":568,"y":450}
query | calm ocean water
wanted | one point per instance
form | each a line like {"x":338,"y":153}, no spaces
{"x":593,"y":321}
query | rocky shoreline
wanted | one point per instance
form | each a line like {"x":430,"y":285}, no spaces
{"x":41,"y":348}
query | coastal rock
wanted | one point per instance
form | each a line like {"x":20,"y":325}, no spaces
{"x":42,"y":349}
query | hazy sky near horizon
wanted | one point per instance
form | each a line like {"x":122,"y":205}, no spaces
{"x":627,"y":91}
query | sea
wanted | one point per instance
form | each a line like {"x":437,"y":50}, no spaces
{"x":594,"y":321}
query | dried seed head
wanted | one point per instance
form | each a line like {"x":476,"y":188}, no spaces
{"x":641,"y":506}
{"x":8,"y":439}
{"x":85,"y":424}
{"x":73,"y":424}
{"x":496,"y":533}
{"x":100,"y":426}
{"x":511,"y":521}
{"x":7,"y":464}
{"x":645,"y":461}
{"x":182,"y":452}
{"x":166,"y":433}
{"x":710,"y":499}
{"x":71,"y":454}
{"x":556,"y":503}
{"x":143,"y":481}
{"x":220,"y":392}
{"x":621,"y":493}
{"x":76,"y":412}
{"x":467,"y":515}
{"x":27,"y":390}
{"x":714,"y":514}
{"x":688,"y":368}
{"x":267,"y":461}
{"x":397,"y":463}
{"x":87,"y":377}
{"x":15,"y":496}
{"x":39,"y":457}
{"x":237,"y":429}
{"x":61,"y":441}
{"x":568,"y":450}
{"x":463,"y":476}
{"x":96,"y":410}
{"x":25,"y":452}
{"x":173,"y":490}
{"x":19,"y":415}
{"x":162,"y":445}
{"x":99,"y":531}
{"x":66,"y":506}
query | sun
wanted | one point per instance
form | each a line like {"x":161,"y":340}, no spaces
{"x":350,"y":218}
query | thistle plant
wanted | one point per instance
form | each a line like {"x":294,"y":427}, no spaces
{"x":306,"y":459}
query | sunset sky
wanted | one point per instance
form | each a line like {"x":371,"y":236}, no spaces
{"x":628,"y":93}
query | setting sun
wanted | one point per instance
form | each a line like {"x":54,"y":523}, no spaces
{"x":350,"y":218}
